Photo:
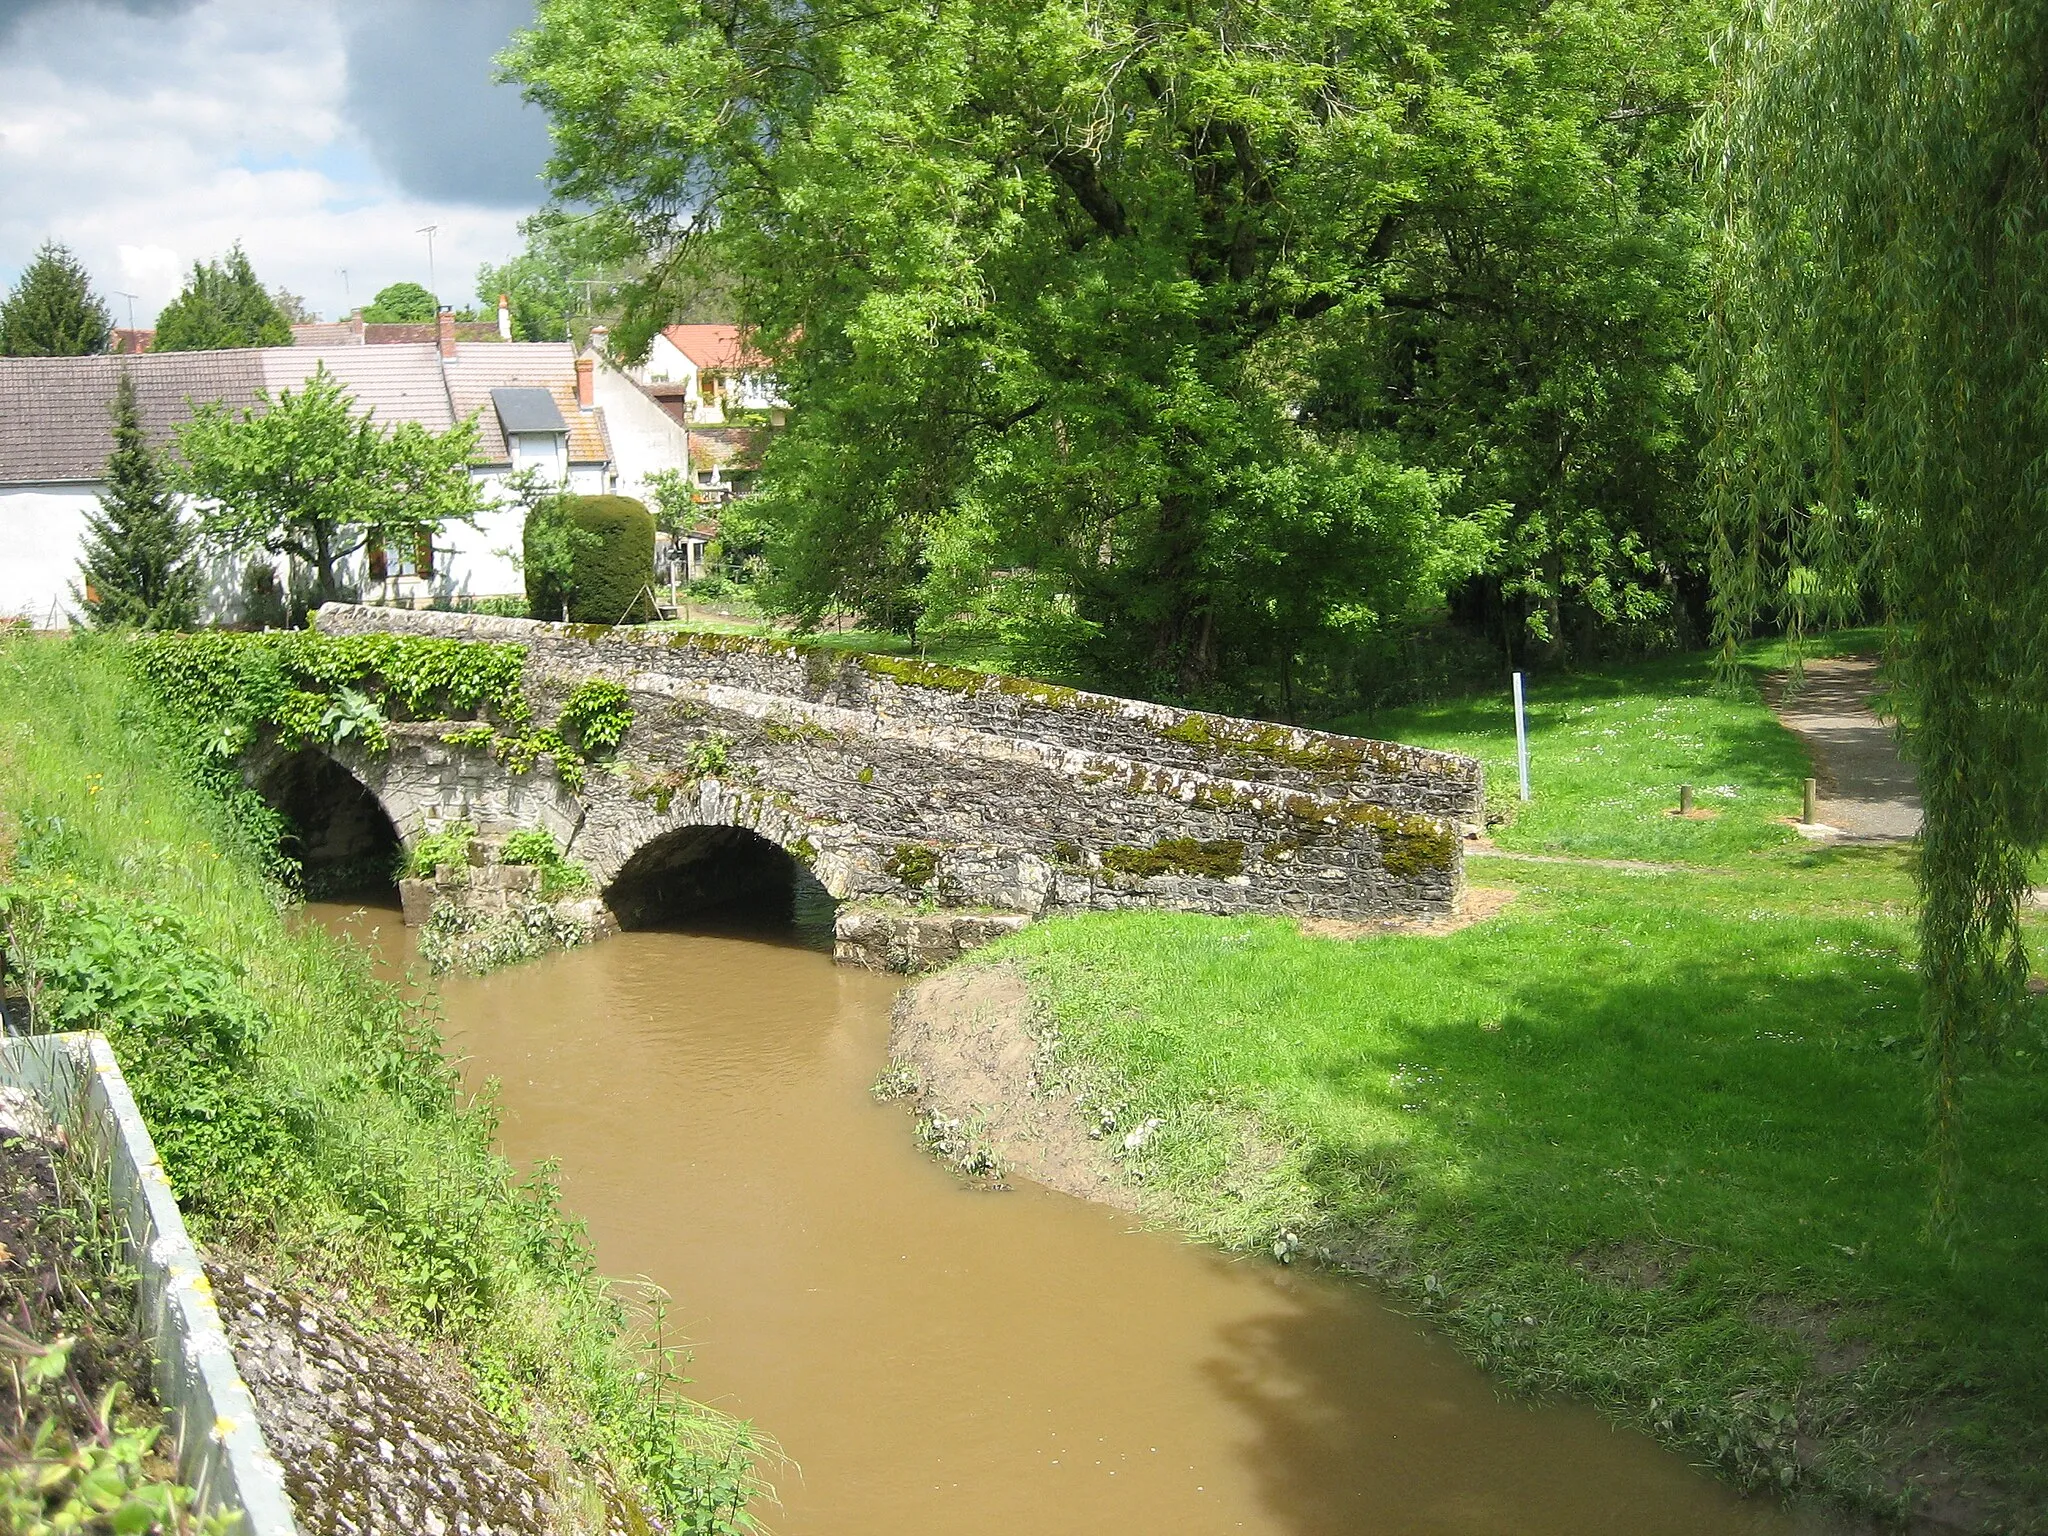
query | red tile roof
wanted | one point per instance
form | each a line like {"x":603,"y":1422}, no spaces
{"x":713,"y":346}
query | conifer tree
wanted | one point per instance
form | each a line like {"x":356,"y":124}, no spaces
{"x":137,"y":570}
{"x":53,"y":311}
{"x":223,"y":305}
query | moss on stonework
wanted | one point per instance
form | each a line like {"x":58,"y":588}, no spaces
{"x":1219,"y":860}
{"x":912,"y":863}
{"x":932,"y":674}
{"x":804,"y":851}
{"x":1410,"y":845}
{"x":790,"y":730}
{"x":922,"y":674}
{"x":1311,"y":751}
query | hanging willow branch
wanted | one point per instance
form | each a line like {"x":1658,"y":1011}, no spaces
{"x":1878,"y":371}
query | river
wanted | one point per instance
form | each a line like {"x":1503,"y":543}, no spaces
{"x":939,"y":1358}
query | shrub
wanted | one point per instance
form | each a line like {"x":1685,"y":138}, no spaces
{"x":559,"y":876}
{"x":597,"y":715}
{"x":449,"y":846}
{"x":606,"y":546}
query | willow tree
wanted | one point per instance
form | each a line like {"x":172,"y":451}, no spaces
{"x":1879,"y":368}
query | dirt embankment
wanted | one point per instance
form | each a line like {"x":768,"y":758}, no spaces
{"x":966,"y":1038}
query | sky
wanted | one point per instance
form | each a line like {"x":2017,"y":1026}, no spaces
{"x":321,"y":134}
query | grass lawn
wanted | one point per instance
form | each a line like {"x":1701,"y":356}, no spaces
{"x":1654,"y":1138}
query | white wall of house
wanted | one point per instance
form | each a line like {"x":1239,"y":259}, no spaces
{"x":645,"y":438}
{"x":42,"y":530}
{"x":667,"y":364}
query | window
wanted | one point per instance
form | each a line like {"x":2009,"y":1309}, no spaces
{"x":383,"y":565}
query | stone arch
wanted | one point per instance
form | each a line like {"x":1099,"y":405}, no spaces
{"x":717,"y":872}
{"x":341,"y":830}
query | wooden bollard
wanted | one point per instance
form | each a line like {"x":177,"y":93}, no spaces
{"x":1685,"y":799}
{"x":1811,"y":813}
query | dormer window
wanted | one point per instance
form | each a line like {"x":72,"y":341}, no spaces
{"x":536,"y":436}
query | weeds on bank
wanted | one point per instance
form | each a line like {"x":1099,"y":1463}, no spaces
{"x":303,"y":1108}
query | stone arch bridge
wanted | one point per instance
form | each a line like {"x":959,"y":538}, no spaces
{"x":937,"y":806}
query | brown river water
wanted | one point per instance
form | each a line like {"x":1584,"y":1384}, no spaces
{"x":939,"y":1358}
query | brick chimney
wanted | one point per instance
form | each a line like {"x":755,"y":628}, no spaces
{"x":586,"y":382}
{"x":357,"y":334}
{"x":446,"y":323}
{"x":504,"y":317}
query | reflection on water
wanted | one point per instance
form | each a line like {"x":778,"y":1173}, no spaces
{"x":943,"y":1359}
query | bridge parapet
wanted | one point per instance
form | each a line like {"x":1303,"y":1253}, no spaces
{"x":908,"y":785}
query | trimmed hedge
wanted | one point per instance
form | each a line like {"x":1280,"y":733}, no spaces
{"x":611,"y":540}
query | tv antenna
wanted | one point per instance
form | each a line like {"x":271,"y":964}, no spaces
{"x":428,"y":230}
{"x":120,"y":294}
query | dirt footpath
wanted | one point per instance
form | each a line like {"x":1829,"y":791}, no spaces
{"x":1868,"y":791}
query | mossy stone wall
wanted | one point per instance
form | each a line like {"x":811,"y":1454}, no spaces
{"x":963,"y":792}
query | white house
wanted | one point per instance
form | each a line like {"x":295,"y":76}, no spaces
{"x":534,"y":404}
{"x":703,"y":372}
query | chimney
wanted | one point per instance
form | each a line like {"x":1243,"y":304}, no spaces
{"x":357,"y":334}
{"x":586,"y":382}
{"x":600,"y":338}
{"x":446,"y":320}
{"x":504,"y":317}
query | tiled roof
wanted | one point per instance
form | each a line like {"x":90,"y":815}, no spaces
{"x":396,"y":383}
{"x":54,"y":421}
{"x":480,"y":367}
{"x":713,"y":346}
{"x":323,"y":333}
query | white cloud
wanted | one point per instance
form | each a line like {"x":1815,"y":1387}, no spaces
{"x":146,"y":142}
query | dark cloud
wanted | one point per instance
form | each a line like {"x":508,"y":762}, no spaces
{"x":13,"y":11}
{"x":422,"y":92}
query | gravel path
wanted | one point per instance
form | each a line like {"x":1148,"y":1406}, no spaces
{"x":1868,"y":792}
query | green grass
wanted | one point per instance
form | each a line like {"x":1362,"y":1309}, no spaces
{"x":1607,"y":753}
{"x":1706,"y":1079}
{"x":340,"y":1148}
{"x":1654,"y":1137}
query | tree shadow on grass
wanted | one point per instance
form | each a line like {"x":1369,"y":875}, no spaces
{"x":1748,"y":1133}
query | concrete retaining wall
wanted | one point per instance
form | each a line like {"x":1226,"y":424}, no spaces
{"x":220,"y":1446}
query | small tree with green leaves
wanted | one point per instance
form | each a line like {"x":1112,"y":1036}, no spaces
{"x":402,"y":304}
{"x":137,"y":571}
{"x":304,"y":475}
{"x":52,"y":311}
{"x":223,"y":305}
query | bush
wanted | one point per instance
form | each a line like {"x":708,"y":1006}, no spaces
{"x":605,"y":544}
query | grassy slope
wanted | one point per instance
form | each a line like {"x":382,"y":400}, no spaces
{"x":393,"y":1186}
{"x":1653,"y":1138}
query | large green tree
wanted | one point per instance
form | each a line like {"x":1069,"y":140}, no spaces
{"x":306,"y":475}
{"x":402,"y":304}
{"x":223,"y":304}
{"x":137,"y":570}
{"x":1089,"y":309}
{"x":52,"y":311}
{"x":1880,"y":424}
